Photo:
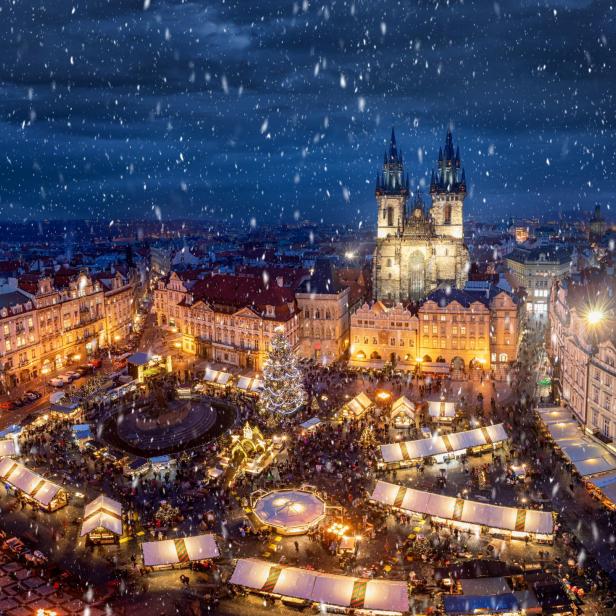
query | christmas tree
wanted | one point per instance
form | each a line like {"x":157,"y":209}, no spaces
{"x":283,"y":392}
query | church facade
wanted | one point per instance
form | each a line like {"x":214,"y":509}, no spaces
{"x":418,"y":250}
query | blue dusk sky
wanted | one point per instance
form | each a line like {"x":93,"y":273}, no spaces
{"x":276,"y":110}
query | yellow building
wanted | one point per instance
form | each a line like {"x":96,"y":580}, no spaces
{"x":451,"y":331}
{"x":227,"y":318}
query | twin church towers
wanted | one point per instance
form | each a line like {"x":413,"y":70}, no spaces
{"x":418,"y":250}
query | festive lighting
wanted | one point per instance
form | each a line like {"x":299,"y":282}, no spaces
{"x":595,"y":316}
{"x":283,"y":392}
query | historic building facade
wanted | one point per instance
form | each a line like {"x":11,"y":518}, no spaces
{"x":451,"y":331}
{"x":418,"y":251}
{"x":583,"y":352}
{"x":227,"y":318}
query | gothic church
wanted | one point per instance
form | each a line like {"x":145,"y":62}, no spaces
{"x":417,"y":252}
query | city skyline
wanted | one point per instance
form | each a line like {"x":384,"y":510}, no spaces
{"x":186,"y":111}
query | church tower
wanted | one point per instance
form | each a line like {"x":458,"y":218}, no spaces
{"x":391,"y":191}
{"x":448,"y":190}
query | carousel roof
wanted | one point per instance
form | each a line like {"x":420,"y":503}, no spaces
{"x":290,"y":509}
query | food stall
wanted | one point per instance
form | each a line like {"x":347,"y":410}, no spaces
{"x":9,"y":448}
{"x":179,"y":553}
{"x":408,"y":453}
{"x":357,"y":407}
{"x":469,"y":515}
{"x":441,"y":411}
{"x":102,"y":521}
{"x":366,"y":596}
{"x":403,"y":413}
{"x":32,"y":487}
{"x":250,"y":385}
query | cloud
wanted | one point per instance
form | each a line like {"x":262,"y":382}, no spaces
{"x":100,"y":98}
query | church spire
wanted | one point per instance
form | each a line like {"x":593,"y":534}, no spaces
{"x":393,"y":180}
{"x":448,"y":178}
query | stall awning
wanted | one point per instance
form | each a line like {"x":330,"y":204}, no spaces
{"x":247,"y":383}
{"x":102,"y":512}
{"x":359,"y":405}
{"x":311,"y":423}
{"x":174,"y":551}
{"x":8,"y":447}
{"x":588,"y":456}
{"x":441,"y":409}
{"x":475,"y":604}
{"x":403,"y":406}
{"x":160,"y":461}
{"x":216,"y":376}
{"x":462,"y":510}
{"x":30,"y":483}
{"x":330,"y":589}
{"x":437,"y":445}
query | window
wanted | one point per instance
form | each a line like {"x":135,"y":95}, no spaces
{"x":503,"y":358}
{"x":392,"y":342}
{"x":606,"y":426}
{"x":463,"y":330}
{"x":435,"y":329}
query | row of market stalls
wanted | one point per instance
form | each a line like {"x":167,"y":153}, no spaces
{"x":591,"y":460}
{"x":325,"y":589}
{"x":441,"y":447}
{"x":222,"y":379}
{"x":467,"y":514}
{"x":34,"y":488}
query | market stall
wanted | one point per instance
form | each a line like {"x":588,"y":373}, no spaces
{"x":357,"y":407}
{"x":407,"y":453}
{"x":250,"y":385}
{"x":82,"y":433}
{"x":217,"y":378}
{"x":467,"y":514}
{"x":177,"y":553}
{"x":8,"y":447}
{"x":402,"y":413}
{"x":310,"y":424}
{"x":336,"y":591}
{"x":161,"y":464}
{"x":289,"y":512}
{"x":102,"y":521}
{"x":441,"y":411}
{"x":35,"y":489}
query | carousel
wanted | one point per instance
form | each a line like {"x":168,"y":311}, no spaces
{"x":289,"y":512}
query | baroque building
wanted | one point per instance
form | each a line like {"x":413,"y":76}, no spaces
{"x":417,"y":251}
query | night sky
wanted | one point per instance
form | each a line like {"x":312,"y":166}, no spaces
{"x":273,"y":110}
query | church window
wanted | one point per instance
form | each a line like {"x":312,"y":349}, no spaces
{"x":388,"y":262}
{"x":390,"y":216}
{"x":447,"y":215}
{"x":389,"y":276}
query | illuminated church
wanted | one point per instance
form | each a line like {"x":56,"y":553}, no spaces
{"x":418,"y":251}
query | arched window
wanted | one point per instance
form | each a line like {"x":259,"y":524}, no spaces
{"x":503,"y":358}
{"x":390,"y":216}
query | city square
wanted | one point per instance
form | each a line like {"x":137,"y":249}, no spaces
{"x":307,"y":309}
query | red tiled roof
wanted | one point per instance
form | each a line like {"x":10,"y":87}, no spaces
{"x":244,"y":291}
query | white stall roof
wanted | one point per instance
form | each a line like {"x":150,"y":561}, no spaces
{"x":313,"y":422}
{"x":336,"y":590}
{"x":462,"y":510}
{"x":8,"y":447}
{"x":358,"y":405}
{"x":403,"y":406}
{"x":102,"y":512}
{"x":607,"y":484}
{"x":554,"y":415}
{"x":216,"y":376}
{"x":564,"y":429}
{"x":29,"y":482}
{"x":248,"y":383}
{"x":174,"y":551}
{"x":441,"y":408}
{"x":592,"y":466}
{"x":413,"y":450}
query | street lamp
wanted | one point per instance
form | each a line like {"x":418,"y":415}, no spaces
{"x":595,"y":316}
